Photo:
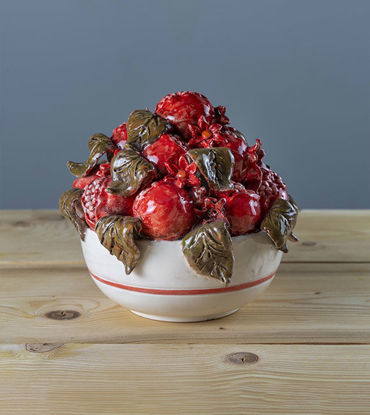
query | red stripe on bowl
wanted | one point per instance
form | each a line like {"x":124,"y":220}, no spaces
{"x":184,"y":292}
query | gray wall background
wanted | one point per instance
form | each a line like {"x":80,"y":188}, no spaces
{"x":295,"y":73}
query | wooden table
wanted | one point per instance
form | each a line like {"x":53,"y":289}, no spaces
{"x":303,"y":348}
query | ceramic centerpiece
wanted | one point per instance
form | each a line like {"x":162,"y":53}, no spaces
{"x":183,"y":220}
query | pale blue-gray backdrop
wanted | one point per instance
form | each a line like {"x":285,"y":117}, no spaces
{"x":295,"y":73}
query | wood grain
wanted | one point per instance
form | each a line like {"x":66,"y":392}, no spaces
{"x":185,"y":379}
{"x":305,"y":307}
{"x":44,"y":238}
{"x":302,"y":348}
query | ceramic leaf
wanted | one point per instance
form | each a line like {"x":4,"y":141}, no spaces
{"x":208,"y":250}
{"x":99,"y":144}
{"x":143,"y":128}
{"x":129,"y":172}
{"x":117,"y":234}
{"x":70,"y":207}
{"x":280,"y":222}
{"x":216,"y":166}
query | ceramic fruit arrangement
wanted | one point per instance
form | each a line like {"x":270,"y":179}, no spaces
{"x":180,"y":172}
{"x":184,"y":173}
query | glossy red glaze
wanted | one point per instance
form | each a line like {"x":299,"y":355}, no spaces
{"x":253,"y":163}
{"x":243,"y":212}
{"x":217,"y":135}
{"x":170,"y":207}
{"x":101,"y":170}
{"x":262,"y":179}
{"x":82,"y":182}
{"x":272,"y":188}
{"x":165,"y":151}
{"x":237,"y":188}
{"x":219,"y":115}
{"x":184,"y":108}
{"x":166,"y":211}
{"x":96,"y":202}
{"x":119,"y":136}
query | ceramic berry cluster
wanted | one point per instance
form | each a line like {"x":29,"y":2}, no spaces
{"x":180,"y":172}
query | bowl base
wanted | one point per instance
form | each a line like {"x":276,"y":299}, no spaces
{"x":185,"y":319}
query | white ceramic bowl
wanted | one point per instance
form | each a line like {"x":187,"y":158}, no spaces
{"x":164,"y":287}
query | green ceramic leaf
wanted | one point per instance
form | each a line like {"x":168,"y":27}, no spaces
{"x":208,"y":250}
{"x":280,"y":222}
{"x":144,"y":128}
{"x":129,"y":172}
{"x":99,"y":144}
{"x":216,"y":166}
{"x":117,"y":234}
{"x":70,"y":207}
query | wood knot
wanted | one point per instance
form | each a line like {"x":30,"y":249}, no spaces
{"x":309,"y":243}
{"x":42,"y":347}
{"x":21,"y":224}
{"x":63,"y":314}
{"x":242,"y":358}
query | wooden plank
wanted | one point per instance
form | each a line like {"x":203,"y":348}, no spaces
{"x":332,"y":267}
{"x":306,"y":307}
{"x":43,"y":238}
{"x":332,"y":236}
{"x":184,"y":379}
{"x":38,"y":238}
